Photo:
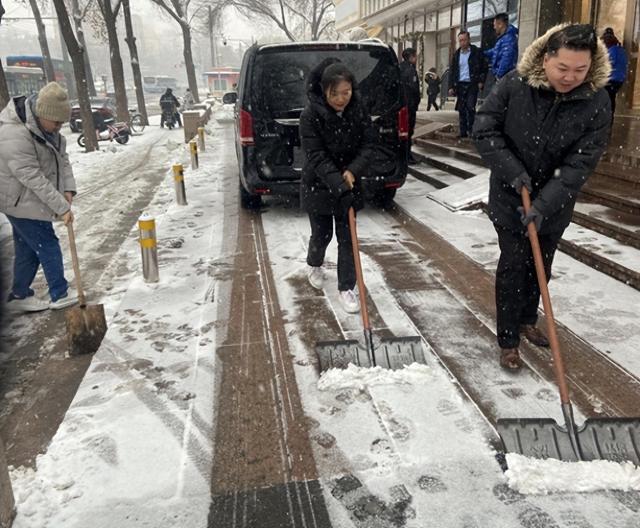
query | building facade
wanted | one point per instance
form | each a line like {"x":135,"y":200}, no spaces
{"x":431,"y":26}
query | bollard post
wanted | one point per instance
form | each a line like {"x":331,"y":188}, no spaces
{"x":178,"y":183}
{"x":7,"y":502}
{"x":201,"y":138}
{"x":149,"y":248}
{"x":194,"y":154}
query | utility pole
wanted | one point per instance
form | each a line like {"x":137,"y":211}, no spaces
{"x":135,"y":64}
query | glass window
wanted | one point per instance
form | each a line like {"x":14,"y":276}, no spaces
{"x":444,"y":18}
{"x":456,"y":15}
{"x":443,"y":38}
{"x":474,"y":31}
{"x":443,"y":58}
{"x":474,"y":11}
{"x":493,"y":7}
{"x":431,"y":22}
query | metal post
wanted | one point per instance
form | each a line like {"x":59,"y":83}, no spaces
{"x":194,"y":154}
{"x":149,"y":248}
{"x":201,"y":138}
{"x":178,"y":182}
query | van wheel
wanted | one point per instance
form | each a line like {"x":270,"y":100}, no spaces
{"x":249,"y":201}
{"x":384,"y":198}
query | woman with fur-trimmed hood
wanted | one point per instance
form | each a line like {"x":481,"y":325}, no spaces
{"x":543,"y":127}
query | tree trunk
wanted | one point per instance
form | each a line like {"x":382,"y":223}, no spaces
{"x":44,"y":45}
{"x":135,"y":64}
{"x":80,"y":34}
{"x":188,"y":61}
{"x":117,"y":70}
{"x":78,"y":69}
{"x":4,"y":89}
{"x":68,"y":78}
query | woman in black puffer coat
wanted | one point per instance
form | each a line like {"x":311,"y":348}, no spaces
{"x":337,"y":138}
{"x":543,"y":127}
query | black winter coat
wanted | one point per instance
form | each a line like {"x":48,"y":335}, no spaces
{"x":331,"y":145}
{"x":410,"y":84}
{"x":557,"y":139}
{"x":477,"y":67}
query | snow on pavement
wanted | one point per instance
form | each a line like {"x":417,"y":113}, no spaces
{"x":536,"y":476}
{"x":135,"y":445}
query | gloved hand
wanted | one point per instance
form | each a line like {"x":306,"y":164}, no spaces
{"x":520,"y":181}
{"x":346,"y":201}
{"x":533,"y":215}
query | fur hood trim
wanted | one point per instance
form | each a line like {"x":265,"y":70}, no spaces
{"x":530,"y":65}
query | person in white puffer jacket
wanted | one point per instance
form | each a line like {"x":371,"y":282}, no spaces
{"x":36,"y":187}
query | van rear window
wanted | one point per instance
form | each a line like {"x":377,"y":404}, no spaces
{"x":279,"y":87}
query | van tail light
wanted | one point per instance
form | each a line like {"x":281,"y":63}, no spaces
{"x":246,"y":128}
{"x":403,"y":123}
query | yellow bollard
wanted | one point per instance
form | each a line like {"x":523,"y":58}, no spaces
{"x":201,"y":138}
{"x":194,"y":154}
{"x":149,"y":248}
{"x":178,"y":182}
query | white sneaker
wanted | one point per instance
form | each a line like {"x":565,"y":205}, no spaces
{"x":28,"y":304}
{"x":349,"y":301}
{"x":63,"y":302}
{"x":316,"y":277}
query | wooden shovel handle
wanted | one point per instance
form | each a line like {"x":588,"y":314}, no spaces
{"x":76,"y":264}
{"x":359,"y":278}
{"x":558,"y":363}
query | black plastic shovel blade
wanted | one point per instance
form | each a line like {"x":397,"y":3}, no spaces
{"x":537,"y":438}
{"x":615,"y":439}
{"x":396,"y":352}
{"x":338,"y":354}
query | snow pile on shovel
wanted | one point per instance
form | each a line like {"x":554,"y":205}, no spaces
{"x":533,"y":476}
{"x":354,"y":377}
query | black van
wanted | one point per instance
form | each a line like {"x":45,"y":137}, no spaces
{"x":272,"y":94}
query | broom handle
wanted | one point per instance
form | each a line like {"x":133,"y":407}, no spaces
{"x":76,"y":264}
{"x":359,"y":278}
{"x":558,"y":364}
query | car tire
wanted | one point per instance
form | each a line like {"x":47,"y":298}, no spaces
{"x":248,"y":200}
{"x":384,"y":198}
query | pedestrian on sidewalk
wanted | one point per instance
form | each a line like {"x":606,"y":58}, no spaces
{"x":36,"y":187}
{"x":433,"y":88}
{"x":337,"y":140}
{"x":544,"y":127}
{"x":618,"y":59}
{"x":503,"y":57}
{"x":468,"y":70}
{"x":411,"y":87}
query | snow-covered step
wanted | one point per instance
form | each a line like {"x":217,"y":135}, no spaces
{"x":624,"y":227}
{"x":436,"y":177}
{"x":463,"y":194}
{"x":458,"y":161}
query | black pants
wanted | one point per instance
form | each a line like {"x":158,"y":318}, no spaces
{"x":412,"y":126}
{"x":467,"y":94}
{"x":321,"y":233}
{"x":612,"y":89}
{"x":517,"y":291}
{"x":431,"y":101}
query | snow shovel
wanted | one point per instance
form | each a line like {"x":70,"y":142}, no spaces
{"x":391,"y":353}
{"x":614,"y":439}
{"x":86,"y":325}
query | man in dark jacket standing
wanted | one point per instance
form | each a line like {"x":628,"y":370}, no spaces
{"x":411,"y":87}
{"x":467,"y":73}
{"x":544,"y":127}
{"x":503,"y":57}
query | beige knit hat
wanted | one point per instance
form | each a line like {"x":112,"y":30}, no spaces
{"x":53,"y":103}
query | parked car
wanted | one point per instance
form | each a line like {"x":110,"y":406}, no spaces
{"x":105,"y":106}
{"x":272,"y":94}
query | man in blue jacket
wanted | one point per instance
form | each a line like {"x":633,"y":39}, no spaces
{"x":503,"y":57}
{"x":618,"y":59}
